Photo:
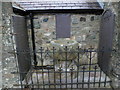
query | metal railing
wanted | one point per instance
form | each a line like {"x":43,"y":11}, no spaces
{"x":65,"y":68}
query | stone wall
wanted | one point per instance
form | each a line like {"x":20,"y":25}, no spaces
{"x":8,"y":59}
{"x":84,"y":29}
{"x":0,"y":45}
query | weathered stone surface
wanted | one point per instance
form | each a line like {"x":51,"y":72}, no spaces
{"x":36,"y":24}
{"x":85,"y":32}
{"x":8,"y":60}
{"x":84,"y":29}
{"x":0,"y":45}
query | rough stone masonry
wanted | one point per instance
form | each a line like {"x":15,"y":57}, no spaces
{"x":43,"y":24}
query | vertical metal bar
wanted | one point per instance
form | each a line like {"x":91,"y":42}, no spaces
{"x":33,"y":39}
{"x":41,"y":52}
{"x":71,"y":77}
{"x":83,"y":76}
{"x":66,"y":63}
{"x":54,"y":68}
{"x":78,"y":68}
{"x":105,"y":80}
{"x":100,"y":78}
{"x":60,"y":77}
{"x":37,"y":79}
{"x":49,"y":78}
{"x":89,"y":68}
{"x":94,"y":76}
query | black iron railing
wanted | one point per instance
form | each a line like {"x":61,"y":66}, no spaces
{"x":65,"y":68}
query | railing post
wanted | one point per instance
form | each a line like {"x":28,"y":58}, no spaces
{"x":33,"y":39}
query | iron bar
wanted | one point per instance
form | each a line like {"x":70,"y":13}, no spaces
{"x":66,"y":63}
{"x":94,"y":76}
{"x":60,"y":77}
{"x":90,"y":58}
{"x":37,"y":78}
{"x":100,"y":78}
{"x":41,"y":49}
{"x":63,"y":71}
{"x":105,"y":80}
{"x":43,"y":67}
{"x":49,"y":77}
{"x":78,"y":68}
{"x":83,"y":76}
{"x":71,"y":77}
{"x":33,"y":39}
{"x":54,"y":62}
{"x":65,"y":83}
